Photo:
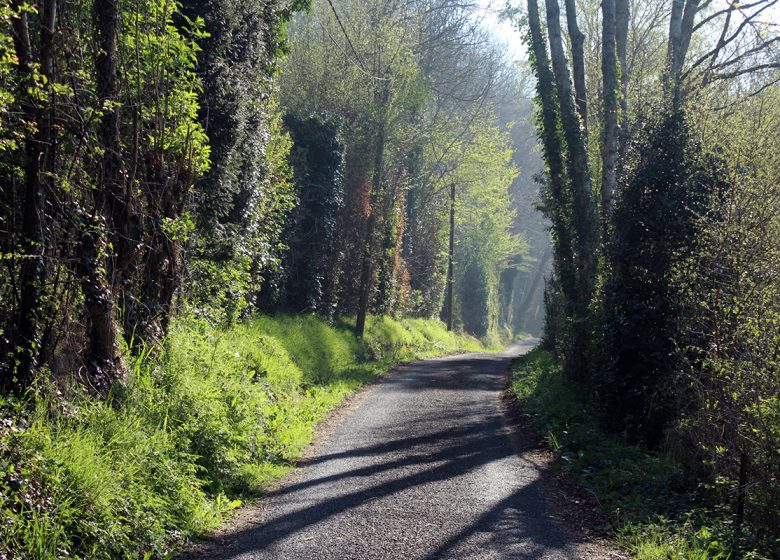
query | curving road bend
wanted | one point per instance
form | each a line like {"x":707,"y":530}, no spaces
{"x":426,"y":466}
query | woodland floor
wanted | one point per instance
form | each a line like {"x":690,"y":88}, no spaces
{"x":431,"y":462}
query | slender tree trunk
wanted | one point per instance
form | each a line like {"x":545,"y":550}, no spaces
{"x":367,"y":266}
{"x":110,"y":200}
{"x":451,"y":261}
{"x":739,"y":509}
{"x":609,"y":133}
{"x":116,"y":193}
{"x":622,"y":19}
{"x":33,"y":243}
{"x":366,"y":271}
{"x":578,"y":62}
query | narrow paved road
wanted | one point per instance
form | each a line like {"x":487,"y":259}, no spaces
{"x":425,"y":467}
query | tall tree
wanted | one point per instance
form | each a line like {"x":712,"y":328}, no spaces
{"x":111,"y":204}
{"x":578,"y":169}
{"x":577,"y":39}
{"x":36,"y":148}
{"x":622,"y":20}
{"x":382,"y":94}
{"x":609,"y":134}
{"x":557,"y":194}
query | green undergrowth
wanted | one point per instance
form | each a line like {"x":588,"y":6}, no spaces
{"x":203,"y":426}
{"x":646,"y":497}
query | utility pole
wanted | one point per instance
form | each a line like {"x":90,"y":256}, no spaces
{"x":450,"y":258}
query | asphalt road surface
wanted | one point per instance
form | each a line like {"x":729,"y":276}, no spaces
{"x":426,"y":466}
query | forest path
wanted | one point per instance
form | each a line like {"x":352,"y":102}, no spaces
{"x":425,"y":466}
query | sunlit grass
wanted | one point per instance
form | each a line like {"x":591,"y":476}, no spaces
{"x":209,"y":422}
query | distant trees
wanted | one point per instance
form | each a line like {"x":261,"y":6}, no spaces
{"x":413,"y":83}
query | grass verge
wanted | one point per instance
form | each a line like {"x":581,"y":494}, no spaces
{"x":656,"y":512}
{"x":210,"y":422}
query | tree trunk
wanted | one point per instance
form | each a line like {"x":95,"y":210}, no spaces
{"x":115,"y":193}
{"x":609,"y":134}
{"x":110,"y":199}
{"x":33,"y":245}
{"x":739,"y":508}
{"x":451,"y":261}
{"x":680,"y":32}
{"x":578,"y":62}
{"x":686,"y":32}
{"x":105,"y":360}
{"x":366,"y":270}
{"x":675,"y":35}
{"x":582,"y":215}
{"x":559,"y":201}
{"x":622,"y":19}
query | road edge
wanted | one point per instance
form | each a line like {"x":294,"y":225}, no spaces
{"x":574,"y":510}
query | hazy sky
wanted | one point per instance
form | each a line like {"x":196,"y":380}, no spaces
{"x":503,"y":30}
{"x":510,"y":36}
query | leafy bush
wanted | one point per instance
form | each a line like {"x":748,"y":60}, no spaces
{"x":644,"y":494}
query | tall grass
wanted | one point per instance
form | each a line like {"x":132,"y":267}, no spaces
{"x":209,"y":422}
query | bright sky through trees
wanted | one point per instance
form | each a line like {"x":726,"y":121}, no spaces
{"x":504,"y":31}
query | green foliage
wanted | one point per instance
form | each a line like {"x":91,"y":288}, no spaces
{"x":730,"y":342}
{"x":483,"y":231}
{"x":655,"y":219}
{"x":645,"y":495}
{"x":243,"y":201}
{"x":214,"y":420}
{"x":161,"y":74}
{"x":395,"y":91}
{"x":389,"y":340}
{"x":8,"y":64}
{"x":308,"y":283}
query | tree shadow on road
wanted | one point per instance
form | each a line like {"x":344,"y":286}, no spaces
{"x":342,"y":492}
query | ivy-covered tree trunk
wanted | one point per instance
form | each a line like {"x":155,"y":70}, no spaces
{"x":104,"y":361}
{"x":557,"y":195}
{"x":577,"y":39}
{"x":317,"y":157}
{"x":451,"y":261}
{"x":622,"y":20}
{"x":582,"y":215}
{"x":578,"y":168}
